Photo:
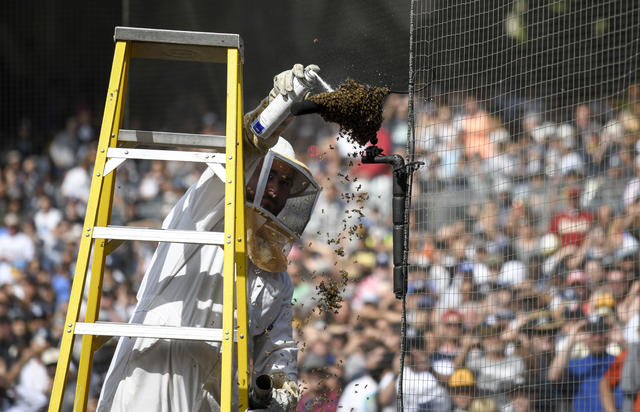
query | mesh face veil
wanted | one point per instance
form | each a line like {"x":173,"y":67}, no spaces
{"x":281,"y":194}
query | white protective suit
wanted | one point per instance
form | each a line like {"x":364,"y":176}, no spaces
{"x":183,"y":287}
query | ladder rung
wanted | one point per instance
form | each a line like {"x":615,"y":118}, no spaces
{"x":158,"y":235}
{"x":144,"y":137}
{"x":149,"y":331}
{"x":178,"y":156}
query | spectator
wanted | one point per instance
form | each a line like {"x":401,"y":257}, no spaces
{"x":476,"y":126}
{"x":316,"y":395}
{"x":62,"y":146}
{"x":449,"y":332}
{"x":617,"y":283}
{"x":76,"y":182}
{"x":572,"y":223}
{"x":537,"y":339}
{"x":16,"y":248}
{"x":495,"y":371}
{"x":483,"y":405}
{"x":585,"y":372}
{"x":623,"y":376}
{"x":361,"y":394}
{"x":421,"y":390}
{"x":521,"y":399}
{"x":462,"y":387}
{"x":46,"y":220}
{"x":610,"y":381}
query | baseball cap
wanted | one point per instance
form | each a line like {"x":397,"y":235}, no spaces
{"x":461,"y":377}
{"x":541,"y":322}
{"x":604,"y":301}
{"x":451,"y":315}
{"x":488,"y":329}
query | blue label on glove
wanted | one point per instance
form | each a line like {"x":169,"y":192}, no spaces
{"x":257,"y":127}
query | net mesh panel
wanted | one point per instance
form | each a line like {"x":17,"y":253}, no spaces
{"x":524,"y":219}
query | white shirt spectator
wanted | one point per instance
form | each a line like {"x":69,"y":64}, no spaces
{"x":571,"y":162}
{"x":631,"y":192}
{"x":46,"y":221}
{"x":76,"y":184}
{"x":422,"y":392}
{"x":16,"y":248}
{"x":360,"y":395}
{"x":32,"y":388}
{"x":34,"y":375}
{"x":631,"y":329}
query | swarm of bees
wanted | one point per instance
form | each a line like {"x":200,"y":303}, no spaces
{"x":357,"y":108}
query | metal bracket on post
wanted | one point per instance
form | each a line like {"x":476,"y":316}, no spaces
{"x":401,"y":171}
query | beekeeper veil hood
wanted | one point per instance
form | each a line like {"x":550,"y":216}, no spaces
{"x":280,"y":194}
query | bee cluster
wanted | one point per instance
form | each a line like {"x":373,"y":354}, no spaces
{"x":355,"y":107}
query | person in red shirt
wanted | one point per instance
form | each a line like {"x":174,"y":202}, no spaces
{"x":572,"y":224}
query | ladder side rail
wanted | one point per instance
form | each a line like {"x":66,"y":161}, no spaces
{"x":99,"y":251}
{"x":226,"y":389}
{"x":77,"y":288}
{"x":241,"y":260}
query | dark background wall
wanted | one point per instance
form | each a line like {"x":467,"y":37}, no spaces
{"x":56,"y":56}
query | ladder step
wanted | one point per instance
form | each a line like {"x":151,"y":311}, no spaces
{"x":179,"y":45}
{"x":158,"y":235}
{"x":151,"y":138}
{"x":178,"y":37}
{"x":175,"y":155}
{"x":118,"y":155}
{"x":149,"y":331}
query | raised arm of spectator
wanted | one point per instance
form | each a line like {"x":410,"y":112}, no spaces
{"x":575,"y":259}
{"x":550,"y":264}
{"x":468,"y":342}
{"x":633,"y":211}
{"x":630,"y":304}
{"x":561,"y":359}
{"x":387,"y":390}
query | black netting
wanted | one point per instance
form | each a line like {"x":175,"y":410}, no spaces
{"x":524,"y":243}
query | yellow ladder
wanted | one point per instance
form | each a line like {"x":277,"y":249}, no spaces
{"x":115,"y":145}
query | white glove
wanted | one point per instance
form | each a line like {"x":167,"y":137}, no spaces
{"x":283,"y":82}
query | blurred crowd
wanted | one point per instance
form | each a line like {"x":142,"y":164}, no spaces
{"x":523,"y":290}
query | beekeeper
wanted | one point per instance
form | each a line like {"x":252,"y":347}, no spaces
{"x":183,"y":285}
